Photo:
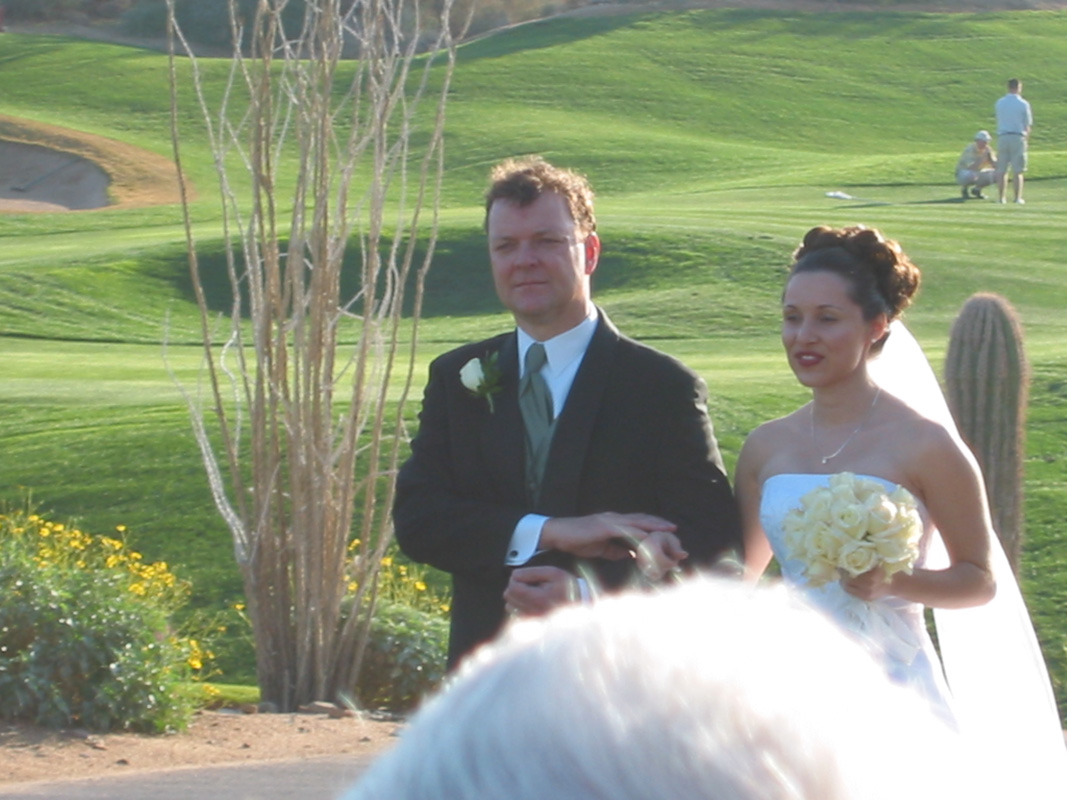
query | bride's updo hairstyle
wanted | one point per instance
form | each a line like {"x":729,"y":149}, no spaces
{"x":881,"y":277}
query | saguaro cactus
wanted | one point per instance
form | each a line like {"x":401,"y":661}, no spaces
{"x":987,"y":379}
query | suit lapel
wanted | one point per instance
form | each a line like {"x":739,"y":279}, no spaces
{"x":502,"y":435}
{"x":574,"y":429}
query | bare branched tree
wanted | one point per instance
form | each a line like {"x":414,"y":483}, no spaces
{"x":300,"y":416}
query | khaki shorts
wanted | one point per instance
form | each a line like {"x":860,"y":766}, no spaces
{"x":979,"y":178}
{"x":1011,"y":152}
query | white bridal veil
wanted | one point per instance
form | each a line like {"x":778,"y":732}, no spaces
{"x":1000,"y":686}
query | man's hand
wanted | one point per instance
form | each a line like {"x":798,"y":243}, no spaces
{"x":606,"y":535}
{"x":537,"y":590}
{"x":659,"y":553}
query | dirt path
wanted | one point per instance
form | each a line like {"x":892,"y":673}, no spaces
{"x":30,"y":753}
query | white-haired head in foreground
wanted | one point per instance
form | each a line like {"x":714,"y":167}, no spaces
{"x":711,"y":689}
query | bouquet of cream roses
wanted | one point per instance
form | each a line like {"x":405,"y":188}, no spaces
{"x":851,"y":526}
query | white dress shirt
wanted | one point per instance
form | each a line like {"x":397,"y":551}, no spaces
{"x":1013,"y":115}
{"x":565,"y":353}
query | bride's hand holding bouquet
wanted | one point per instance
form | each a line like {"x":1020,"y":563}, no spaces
{"x":856,"y":531}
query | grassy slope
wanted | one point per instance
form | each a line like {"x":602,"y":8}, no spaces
{"x":712,"y":138}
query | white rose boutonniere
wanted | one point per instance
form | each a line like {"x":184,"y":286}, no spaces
{"x":481,"y":377}
{"x":851,"y":526}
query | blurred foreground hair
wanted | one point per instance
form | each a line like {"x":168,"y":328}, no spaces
{"x":711,"y":689}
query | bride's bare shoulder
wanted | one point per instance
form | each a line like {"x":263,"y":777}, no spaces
{"x":906,"y":420}
{"x":923,"y":440}
{"x":778,"y":431}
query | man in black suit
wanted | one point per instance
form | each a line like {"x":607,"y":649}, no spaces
{"x":630,"y":462}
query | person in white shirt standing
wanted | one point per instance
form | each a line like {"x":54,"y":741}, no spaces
{"x":1014,"y":120}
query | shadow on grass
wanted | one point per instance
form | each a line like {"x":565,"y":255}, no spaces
{"x":866,"y":202}
{"x":574,"y":26}
{"x":543,"y":33}
{"x":459,"y":283}
{"x":935,"y":202}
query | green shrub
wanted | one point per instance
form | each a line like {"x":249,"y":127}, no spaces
{"x":404,"y":659}
{"x":52,"y":10}
{"x":18,"y":10}
{"x":205,"y":22}
{"x":408,"y":644}
{"x":84,"y":632}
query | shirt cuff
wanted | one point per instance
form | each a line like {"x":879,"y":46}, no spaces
{"x":585,"y":591}
{"x":524,"y":540}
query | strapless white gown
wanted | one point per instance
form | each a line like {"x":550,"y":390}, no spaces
{"x":893,"y":630}
{"x":1003,"y":703}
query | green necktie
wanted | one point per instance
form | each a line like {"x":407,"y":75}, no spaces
{"x":535,"y":402}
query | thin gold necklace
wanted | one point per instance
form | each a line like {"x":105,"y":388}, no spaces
{"x":844,"y":444}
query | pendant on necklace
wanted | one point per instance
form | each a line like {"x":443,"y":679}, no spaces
{"x":826,"y":459}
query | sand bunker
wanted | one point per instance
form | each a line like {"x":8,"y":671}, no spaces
{"x":48,"y":168}
{"x":36,"y":178}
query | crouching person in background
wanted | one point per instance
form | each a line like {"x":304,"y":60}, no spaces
{"x":977,"y":166}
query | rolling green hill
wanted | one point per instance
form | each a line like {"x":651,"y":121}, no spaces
{"x":712,"y":138}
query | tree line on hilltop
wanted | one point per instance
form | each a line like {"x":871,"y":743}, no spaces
{"x":206,"y":22}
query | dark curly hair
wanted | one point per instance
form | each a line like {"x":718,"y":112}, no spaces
{"x":523,"y":180}
{"x":881,"y":277}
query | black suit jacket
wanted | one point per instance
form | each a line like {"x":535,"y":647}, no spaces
{"x":634,"y":436}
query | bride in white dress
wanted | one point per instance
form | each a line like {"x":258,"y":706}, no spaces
{"x":845,"y":289}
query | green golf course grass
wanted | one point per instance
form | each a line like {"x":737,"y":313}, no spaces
{"x":712,"y":137}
